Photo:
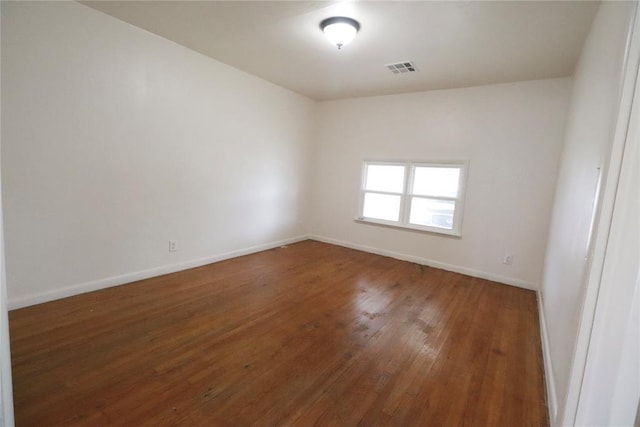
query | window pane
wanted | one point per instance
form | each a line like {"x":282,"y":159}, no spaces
{"x":381,"y":206}
{"x":438,"y":182}
{"x":387,"y":178}
{"x":432,"y":213}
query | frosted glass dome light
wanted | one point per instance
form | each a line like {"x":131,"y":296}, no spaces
{"x":340,"y":30}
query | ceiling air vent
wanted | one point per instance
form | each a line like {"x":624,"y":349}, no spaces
{"x":402,"y":67}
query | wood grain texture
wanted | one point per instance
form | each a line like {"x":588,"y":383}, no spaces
{"x":305,"y":335}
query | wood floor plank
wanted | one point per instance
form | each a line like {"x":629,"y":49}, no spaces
{"x":303,"y":335}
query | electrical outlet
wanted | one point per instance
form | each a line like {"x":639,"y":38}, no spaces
{"x":508,"y":259}
{"x":172,"y":246}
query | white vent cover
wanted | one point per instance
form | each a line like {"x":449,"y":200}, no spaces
{"x":402,"y":67}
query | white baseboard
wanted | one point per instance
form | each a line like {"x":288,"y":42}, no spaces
{"x":80,"y":288}
{"x":552,"y":401}
{"x":431,"y":263}
{"x":122,"y":279}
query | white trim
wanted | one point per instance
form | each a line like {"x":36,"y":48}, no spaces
{"x":549,"y":380}
{"x":431,"y":263}
{"x":122,"y":279}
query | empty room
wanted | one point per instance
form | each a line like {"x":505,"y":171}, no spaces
{"x":318,"y":213}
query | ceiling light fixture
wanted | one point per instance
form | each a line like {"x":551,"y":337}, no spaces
{"x":340,"y":30}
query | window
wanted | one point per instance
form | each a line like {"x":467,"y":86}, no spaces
{"x":423,"y":196}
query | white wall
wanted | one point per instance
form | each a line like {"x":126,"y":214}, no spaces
{"x":6,"y":390}
{"x":591,"y":123}
{"x":604,"y":388}
{"x":116,"y":141}
{"x":512,"y":136}
{"x":611,"y":385}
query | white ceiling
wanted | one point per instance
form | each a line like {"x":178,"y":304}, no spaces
{"x":452,"y":43}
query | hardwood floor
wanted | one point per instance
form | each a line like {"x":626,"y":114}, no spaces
{"x":310,"y":334}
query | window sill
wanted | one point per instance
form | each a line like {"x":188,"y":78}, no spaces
{"x":430,"y":230}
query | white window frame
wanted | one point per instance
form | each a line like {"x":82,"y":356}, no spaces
{"x":407,"y":196}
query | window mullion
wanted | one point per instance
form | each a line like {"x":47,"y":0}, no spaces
{"x":406,"y":197}
{"x":449,"y":199}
